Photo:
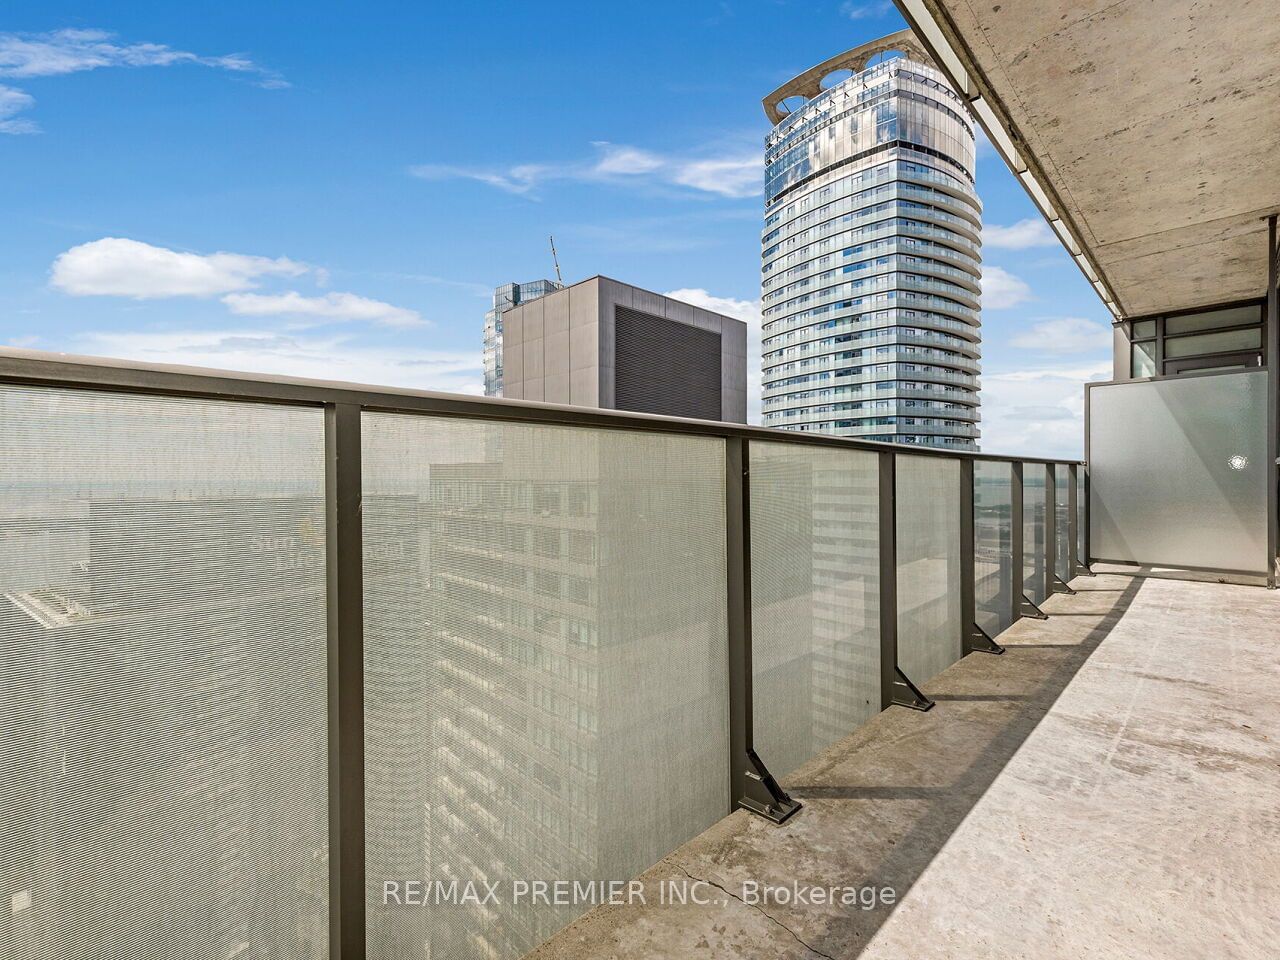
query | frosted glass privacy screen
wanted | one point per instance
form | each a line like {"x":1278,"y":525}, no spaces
{"x":993,"y":574}
{"x":162,"y":660}
{"x":815,"y":603}
{"x":546,"y":665}
{"x":1035,"y":567}
{"x":928,"y":524}
{"x":1178,"y":472}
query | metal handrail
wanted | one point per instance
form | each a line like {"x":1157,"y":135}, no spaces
{"x":71,"y":370}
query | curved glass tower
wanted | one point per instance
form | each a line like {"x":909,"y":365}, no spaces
{"x":871,"y":242}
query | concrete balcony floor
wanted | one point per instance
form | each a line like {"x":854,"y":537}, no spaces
{"x":1110,"y":787}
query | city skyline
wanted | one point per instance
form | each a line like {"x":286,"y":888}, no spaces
{"x":361,"y":240}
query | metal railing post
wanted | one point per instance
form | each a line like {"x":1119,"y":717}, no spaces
{"x":1073,"y":522}
{"x":1016,"y":523}
{"x":968,"y":566}
{"x":345,"y":604}
{"x":1058,"y":473}
{"x":1050,"y":528}
{"x":1023,"y":606}
{"x":888,"y":578}
{"x":1273,"y":400}
{"x":751,"y":786}
{"x":973,"y":638}
{"x":895,"y":687}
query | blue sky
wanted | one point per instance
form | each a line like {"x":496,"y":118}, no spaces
{"x":323,"y":190}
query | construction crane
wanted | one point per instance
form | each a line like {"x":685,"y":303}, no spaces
{"x":556,"y":261}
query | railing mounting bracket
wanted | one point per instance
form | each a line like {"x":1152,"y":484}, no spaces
{"x":1029,"y":609}
{"x":907,"y":694}
{"x":982,"y":642}
{"x":764,"y":795}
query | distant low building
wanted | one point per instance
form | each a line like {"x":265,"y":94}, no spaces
{"x":602,"y":343}
{"x":504,"y":298}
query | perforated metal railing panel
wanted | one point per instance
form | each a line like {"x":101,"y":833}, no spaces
{"x":815,"y":601}
{"x":993,"y":574}
{"x":1034,"y":535}
{"x":1082,"y":516}
{"x":546,"y":666}
{"x":162,"y":661}
{"x":1061,"y":521}
{"x":928,"y":524}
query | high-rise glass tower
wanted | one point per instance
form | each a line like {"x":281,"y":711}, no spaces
{"x":871,"y":241}
{"x":504,"y":298}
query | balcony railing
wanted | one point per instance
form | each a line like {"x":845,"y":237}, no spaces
{"x":277,"y":653}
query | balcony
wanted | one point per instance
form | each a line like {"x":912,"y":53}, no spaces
{"x":894,"y":317}
{"x":271,"y":645}
{"x":278,"y":654}
{"x":1053,"y":804}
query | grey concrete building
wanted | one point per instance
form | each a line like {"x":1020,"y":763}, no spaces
{"x":602,"y":343}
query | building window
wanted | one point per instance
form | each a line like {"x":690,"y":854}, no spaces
{"x":1221,"y":342}
{"x":1224,"y":339}
{"x":1144,"y":360}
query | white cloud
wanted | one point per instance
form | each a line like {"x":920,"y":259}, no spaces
{"x":14,"y":101}
{"x":72,"y":51}
{"x":625,"y":160}
{"x":115,"y":266}
{"x":1037,"y":413}
{"x":1032,"y":232}
{"x":296,"y":355}
{"x":729,"y":177}
{"x":330,"y":307}
{"x":866,"y":10}
{"x":736,"y":175}
{"x":747,"y":311}
{"x":1001,"y":289}
{"x":30,"y":55}
{"x":1065,"y":335}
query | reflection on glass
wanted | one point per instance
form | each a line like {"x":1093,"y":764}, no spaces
{"x":1082,"y":514}
{"x":1178,"y":471}
{"x":1034,"y":540}
{"x":993,"y":545}
{"x":163,"y":788}
{"x":1144,"y":360}
{"x":815,"y":601}
{"x":1062,"y":520}
{"x":928,"y":525}
{"x":546,"y":689}
{"x":1213,"y":343}
{"x":1192,"y":322}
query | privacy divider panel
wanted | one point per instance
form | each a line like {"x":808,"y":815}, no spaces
{"x":1034,"y":536}
{"x":815,"y":603}
{"x":1178,"y":471}
{"x":928,"y":526}
{"x":993,"y":574}
{"x":163,"y":788}
{"x":546,"y":665}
